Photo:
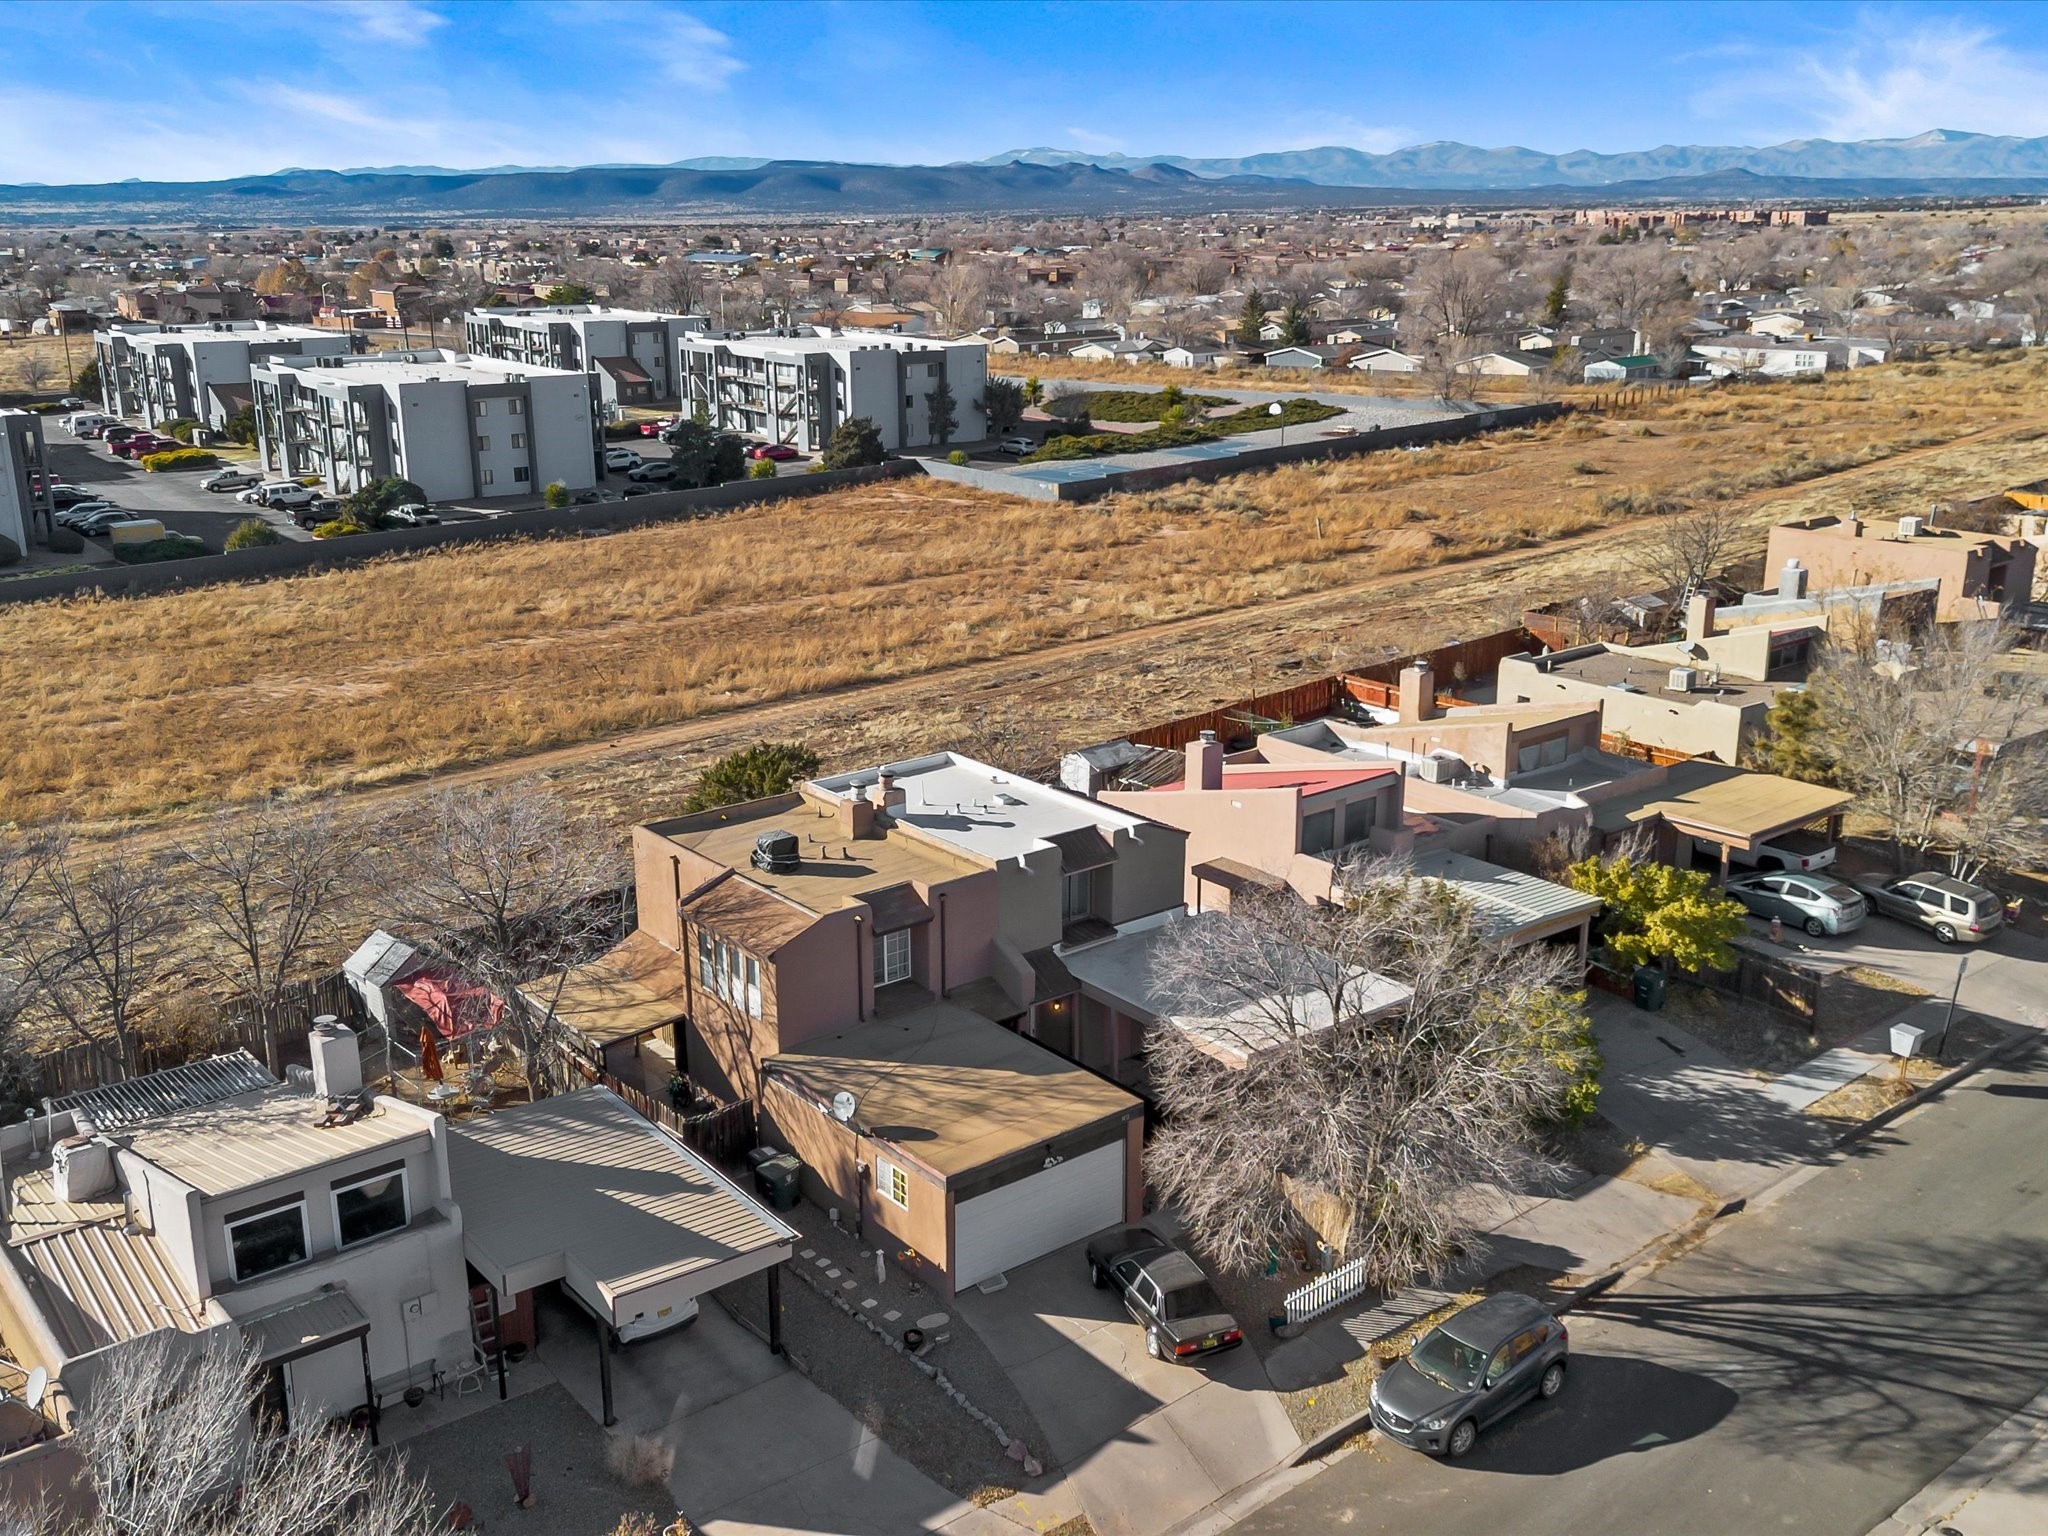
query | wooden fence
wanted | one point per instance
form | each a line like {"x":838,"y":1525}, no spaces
{"x":723,"y":1134}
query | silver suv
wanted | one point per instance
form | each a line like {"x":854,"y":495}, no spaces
{"x":1953,"y":910}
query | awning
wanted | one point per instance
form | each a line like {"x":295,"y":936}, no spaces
{"x":1234,"y":876}
{"x":624,"y":369}
{"x":897,"y":906}
{"x":603,"y":1006}
{"x":305,"y":1325}
{"x":1510,"y":906}
{"x":453,"y":1004}
{"x":1082,"y":848}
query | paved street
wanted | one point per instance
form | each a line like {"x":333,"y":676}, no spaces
{"x":1808,"y":1369}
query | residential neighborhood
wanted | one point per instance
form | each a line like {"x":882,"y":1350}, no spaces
{"x":729,"y":811}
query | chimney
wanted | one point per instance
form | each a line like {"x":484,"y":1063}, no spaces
{"x":1792,"y":580}
{"x":1853,"y":527}
{"x":1699,"y":616}
{"x":856,"y":818}
{"x":883,"y":794}
{"x":337,"y":1058}
{"x":1418,"y":693}
{"x":1205,"y":762}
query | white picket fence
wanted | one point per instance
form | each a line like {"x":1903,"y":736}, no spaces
{"x":1308,"y":1302}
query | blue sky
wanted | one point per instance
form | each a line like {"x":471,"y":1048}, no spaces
{"x":211,"y":89}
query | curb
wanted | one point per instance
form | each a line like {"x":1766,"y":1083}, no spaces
{"x":1977,"y":1063}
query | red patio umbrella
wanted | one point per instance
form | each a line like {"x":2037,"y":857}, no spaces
{"x":430,"y":1055}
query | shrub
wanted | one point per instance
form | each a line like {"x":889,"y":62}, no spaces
{"x":1148,"y":405}
{"x":87,"y":381}
{"x":640,"y":1461}
{"x":253,"y":533}
{"x":172,"y":546}
{"x":622,"y":431}
{"x":340,"y":528}
{"x":761,"y":469}
{"x":556,"y":495}
{"x":66,"y":541}
{"x":181,"y":428}
{"x":179,"y":458}
{"x":854,"y":442}
{"x":957,"y":457}
{"x":752,"y":773}
{"x":368,"y":506}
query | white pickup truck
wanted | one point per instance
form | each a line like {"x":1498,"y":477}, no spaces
{"x":1805,"y":851}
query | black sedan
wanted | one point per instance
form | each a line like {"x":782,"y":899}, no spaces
{"x":1166,"y":1291}
{"x":1468,"y":1371}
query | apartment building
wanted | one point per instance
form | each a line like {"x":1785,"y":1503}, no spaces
{"x":319,"y":1223}
{"x":26,"y":514}
{"x":632,"y":352}
{"x":1981,"y":575}
{"x":457,"y":427}
{"x":203,"y":373}
{"x":796,"y":388}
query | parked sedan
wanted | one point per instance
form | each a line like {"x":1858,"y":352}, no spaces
{"x":101,"y":521}
{"x":1469,"y":1371}
{"x":412,"y":515}
{"x":1017,"y":446}
{"x":595,"y":498}
{"x":654,"y":470}
{"x":79,"y":513}
{"x":1953,"y":910}
{"x":775,"y":451}
{"x":62,"y":496}
{"x":621,"y":458}
{"x":1166,"y":1291}
{"x":1817,"y":904}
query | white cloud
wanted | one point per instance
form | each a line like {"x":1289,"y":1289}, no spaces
{"x":398,"y":22}
{"x":1881,"y":79}
{"x":1099,"y":143}
{"x":356,"y":112}
{"x":1316,"y":129}
{"x":692,"y":52}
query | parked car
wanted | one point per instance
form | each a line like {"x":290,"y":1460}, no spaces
{"x":1953,"y":910}
{"x":414,"y":514}
{"x":230,"y":480}
{"x":117,"y":431}
{"x":144,"y":443}
{"x":313,"y":513}
{"x":640,"y":490}
{"x":1017,"y":446}
{"x":1470,"y":1370}
{"x":99,"y":522}
{"x":621,"y":458}
{"x":1817,"y":905}
{"x":1795,"y":850}
{"x":653,"y":471}
{"x":1166,"y":1291}
{"x":595,"y":498}
{"x":78,"y":421}
{"x":656,"y":428}
{"x":62,"y":496}
{"x":777,"y":451}
{"x":77,"y":515}
{"x":71,"y":403}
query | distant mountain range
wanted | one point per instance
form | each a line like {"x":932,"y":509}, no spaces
{"x":1941,"y":154}
{"x":1941,"y":163}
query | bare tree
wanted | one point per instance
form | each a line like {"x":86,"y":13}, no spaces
{"x":1682,"y":553}
{"x":1447,"y":370}
{"x":961,"y":293}
{"x":673,"y":286}
{"x":263,"y":883}
{"x":1461,"y":294}
{"x":92,"y":935}
{"x":166,"y":1442}
{"x":1363,"y":1113}
{"x":1626,"y":284}
{"x":511,"y":887}
{"x":34,"y":369}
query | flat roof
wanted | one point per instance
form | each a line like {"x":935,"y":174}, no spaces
{"x":833,"y":869}
{"x":1725,"y":804}
{"x":954,"y":1090}
{"x":1125,"y":972}
{"x":401,"y":370}
{"x":578,"y":1187}
{"x":247,"y":1142}
{"x":1508,"y":903}
{"x":1310,"y":781}
{"x":982,"y":810}
{"x":1650,"y":676}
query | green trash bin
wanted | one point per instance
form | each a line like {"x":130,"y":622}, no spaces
{"x":776,"y":1176}
{"x":1649,"y":988}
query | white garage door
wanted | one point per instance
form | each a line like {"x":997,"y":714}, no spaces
{"x":1022,"y":1221}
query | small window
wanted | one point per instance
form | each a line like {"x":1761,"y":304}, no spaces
{"x":893,"y":1182}
{"x":483,"y":444}
{"x":892,"y":957}
{"x":489,"y":478}
{"x":370,"y":1206}
{"x":518,"y":439}
{"x":483,"y":409}
{"x":1319,"y":832}
{"x":521,"y":474}
{"x":268,"y":1240}
{"x":1359,"y":817}
{"x":515,"y":407}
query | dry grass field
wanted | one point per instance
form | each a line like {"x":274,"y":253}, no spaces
{"x":19,"y":356}
{"x":918,"y":603}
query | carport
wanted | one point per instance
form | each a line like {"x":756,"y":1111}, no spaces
{"x":582,"y":1190}
{"x":1722,"y":808}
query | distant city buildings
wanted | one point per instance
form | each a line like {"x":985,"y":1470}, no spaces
{"x":200,"y":373}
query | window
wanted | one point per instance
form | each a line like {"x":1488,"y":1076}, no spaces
{"x":892,"y":957}
{"x":1359,"y":818}
{"x":1077,"y":897}
{"x":371,"y":1205}
{"x":268,"y":1239}
{"x":489,"y":478}
{"x":521,"y":474}
{"x":518,"y":439}
{"x":515,"y":407}
{"x":483,"y":409}
{"x":1319,"y":832}
{"x":729,"y":973}
{"x":893,"y":1182}
{"x":483,"y":444}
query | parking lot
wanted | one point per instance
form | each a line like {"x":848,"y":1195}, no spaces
{"x":176,"y":498}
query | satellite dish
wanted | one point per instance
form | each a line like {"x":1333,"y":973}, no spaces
{"x":38,"y":1384}
{"x":843,"y":1106}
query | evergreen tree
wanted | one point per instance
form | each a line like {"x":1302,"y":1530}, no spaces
{"x":1294,"y":325}
{"x":1251,"y":319}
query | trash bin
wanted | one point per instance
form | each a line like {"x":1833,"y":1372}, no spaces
{"x":775,"y":1177}
{"x":1649,"y":988}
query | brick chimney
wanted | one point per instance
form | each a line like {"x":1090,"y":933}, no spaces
{"x":1418,"y":693}
{"x":1853,"y":527}
{"x":1205,"y":763}
{"x":1699,"y":616}
{"x":856,"y":817}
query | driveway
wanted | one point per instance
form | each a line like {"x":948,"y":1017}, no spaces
{"x":1144,"y":1443}
{"x":2005,"y":978}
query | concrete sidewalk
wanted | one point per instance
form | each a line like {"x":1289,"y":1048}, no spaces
{"x":1998,"y":1488}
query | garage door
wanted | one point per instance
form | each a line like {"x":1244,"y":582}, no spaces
{"x":1022,"y":1221}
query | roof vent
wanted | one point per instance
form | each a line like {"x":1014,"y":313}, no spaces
{"x":1909,"y":527}
{"x":1684,"y":679}
{"x":777,"y":852}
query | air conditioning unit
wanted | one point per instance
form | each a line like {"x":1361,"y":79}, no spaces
{"x":1684,"y":679}
{"x":1442,"y":768}
{"x":1909,"y":527}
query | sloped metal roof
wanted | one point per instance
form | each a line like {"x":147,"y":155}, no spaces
{"x":191,"y":1086}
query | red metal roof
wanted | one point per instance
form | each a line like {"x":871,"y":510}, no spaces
{"x":1310,"y":781}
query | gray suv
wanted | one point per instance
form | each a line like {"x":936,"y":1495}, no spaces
{"x":1468,"y":1371}
{"x":1953,"y":910}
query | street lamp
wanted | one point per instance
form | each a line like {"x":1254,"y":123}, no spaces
{"x":1276,"y":409}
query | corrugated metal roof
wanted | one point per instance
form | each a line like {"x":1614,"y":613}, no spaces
{"x":248,"y":1142}
{"x":100,"y":1284}
{"x":303,"y":1325}
{"x":166,"y":1092}
{"x":34,"y":1209}
{"x":1506,"y":901}
{"x":580,"y":1178}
